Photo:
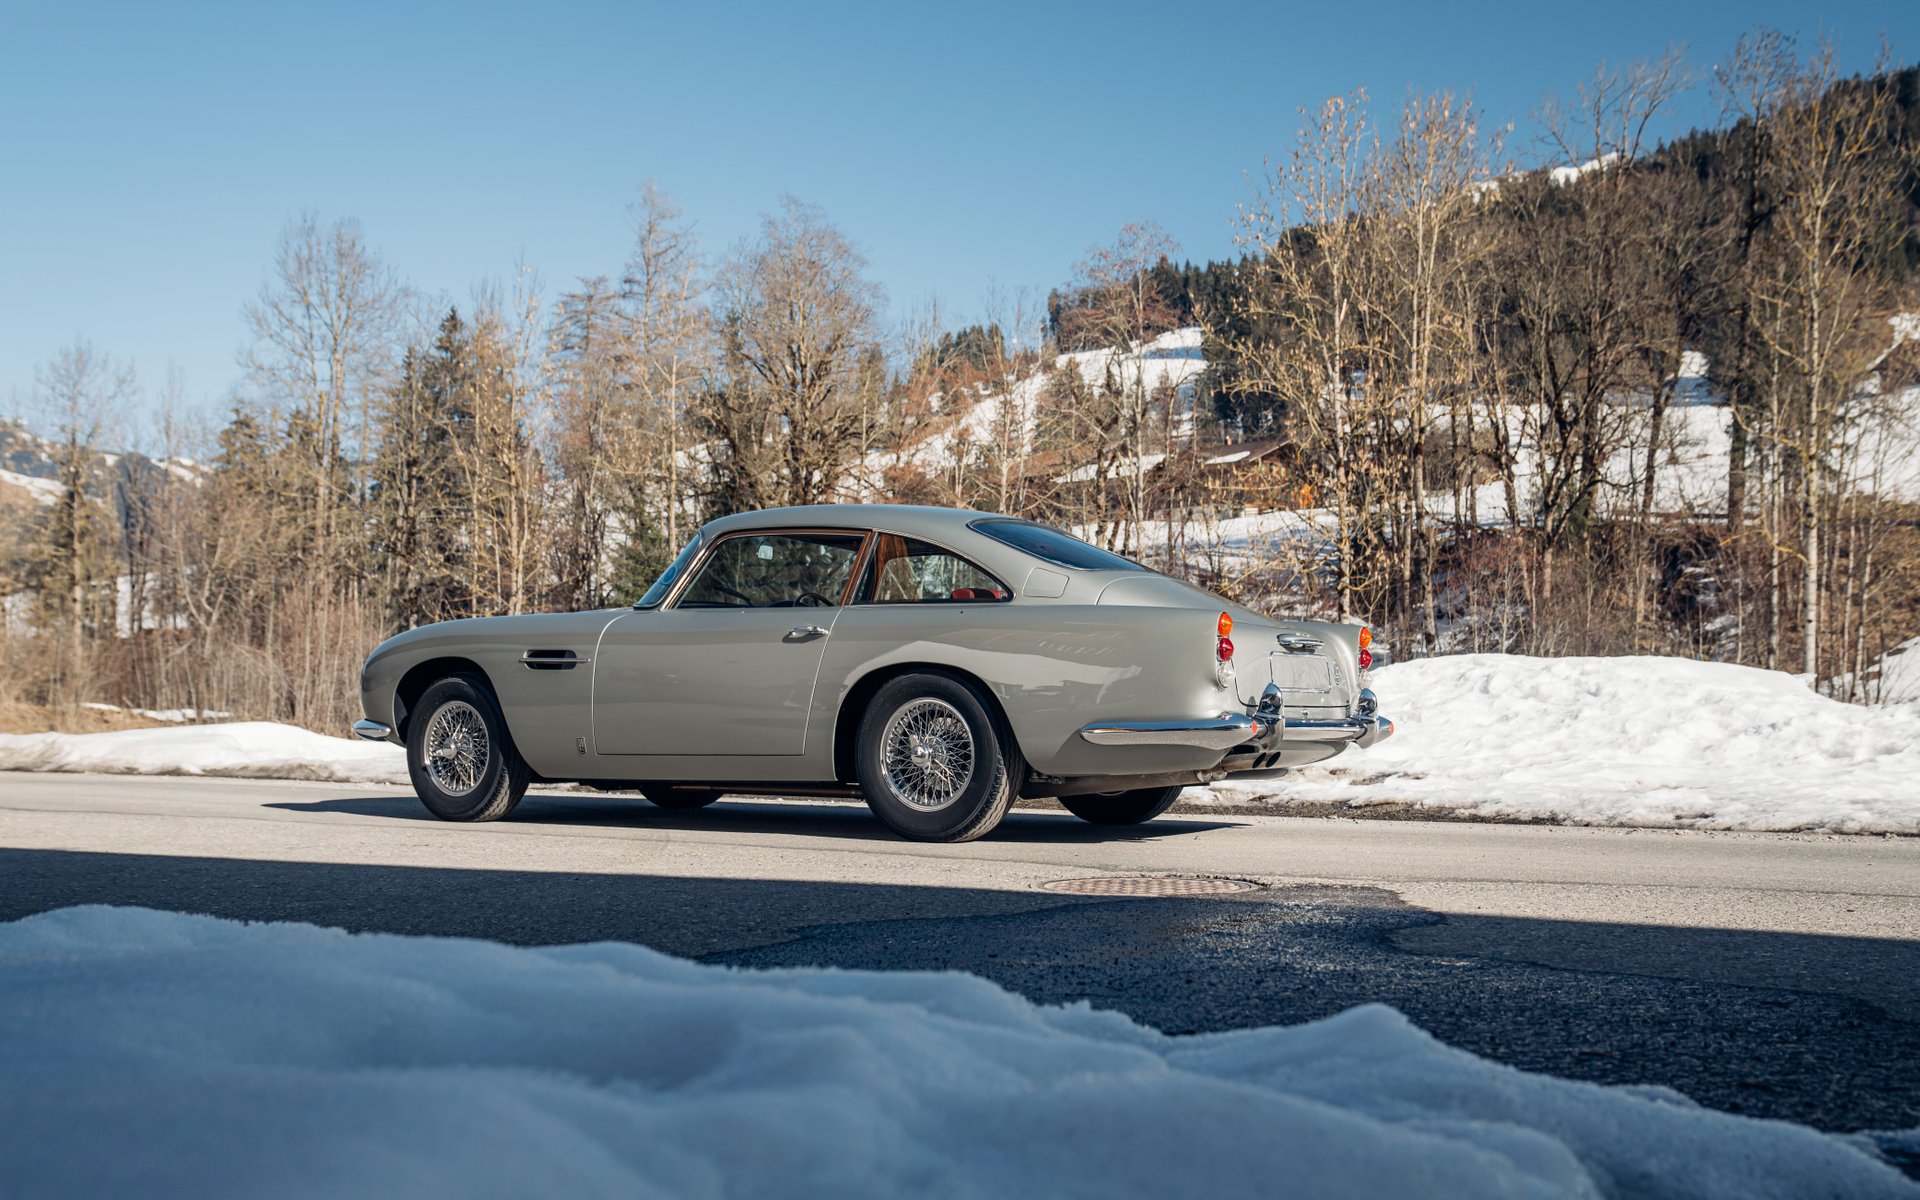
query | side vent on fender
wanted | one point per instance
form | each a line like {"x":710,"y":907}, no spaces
{"x":551,"y":660}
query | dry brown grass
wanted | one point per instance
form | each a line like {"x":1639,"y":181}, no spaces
{"x":18,"y":717}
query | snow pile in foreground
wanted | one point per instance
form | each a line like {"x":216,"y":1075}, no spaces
{"x":178,"y":1055}
{"x":253,"y":749}
{"x":1626,"y":741}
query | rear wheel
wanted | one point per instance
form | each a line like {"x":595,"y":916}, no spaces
{"x":462,"y":761}
{"x":678,"y":795}
{"x":933,"y":762}
{"x":1122,"y":808}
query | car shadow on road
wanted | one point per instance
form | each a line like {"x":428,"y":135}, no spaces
{"x":829,"y":819}
{"x":1277,"y":956}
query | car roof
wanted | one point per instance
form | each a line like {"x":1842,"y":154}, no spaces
{"x":919,"y":519}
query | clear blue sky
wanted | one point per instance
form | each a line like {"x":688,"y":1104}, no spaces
{"x":151,"y":153}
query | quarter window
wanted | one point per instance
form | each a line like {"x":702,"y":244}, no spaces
{"x":1047,"y":543}
{"x":775,"y":570}
{"x":906,"y":570}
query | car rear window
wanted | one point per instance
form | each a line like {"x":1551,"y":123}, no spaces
{"x":1046,"y":542}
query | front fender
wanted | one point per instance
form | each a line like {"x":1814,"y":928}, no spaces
{"x":547,"y":711}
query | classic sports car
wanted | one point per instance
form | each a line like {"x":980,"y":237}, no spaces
{"x":936,"y":662}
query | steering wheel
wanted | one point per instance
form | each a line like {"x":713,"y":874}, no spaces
{"x":812,"y":600}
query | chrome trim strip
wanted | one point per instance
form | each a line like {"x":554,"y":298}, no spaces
{"x":1361,"y":731}
{"x":547,"y":660}
{"x":373,"y":731}
{"x":1223,"y":732}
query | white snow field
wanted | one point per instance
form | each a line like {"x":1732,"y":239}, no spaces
{"x":165,"y":1055}
{"x":1625,"y":741}
{"x":249,"y":749}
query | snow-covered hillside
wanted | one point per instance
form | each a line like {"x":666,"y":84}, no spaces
{"x":1663,"y":742}
{"x":160,"y":1054}
{"x":973,"y":423}
{"x":1690,"y":477}
{"x":44,"y":491}
{"x":30,"y":466}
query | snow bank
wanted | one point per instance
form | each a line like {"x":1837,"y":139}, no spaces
{"x":253,"y":749}
{"x":1626,"y":741}
{"x":184,"y":1056}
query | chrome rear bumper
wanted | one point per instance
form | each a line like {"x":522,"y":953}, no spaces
{"x":1223,"y":732}
{"x":1359,"y":731}
{"x":373,"y":731}
{"x":1229,"y":730}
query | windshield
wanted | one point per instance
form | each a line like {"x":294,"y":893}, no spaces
{"x":1046,"y":542}
{"x":675,"y":569}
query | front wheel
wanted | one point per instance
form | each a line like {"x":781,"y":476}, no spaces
{"x":932,"y":761}
{"x":1122,"y":808}
{"x":463,"y":763}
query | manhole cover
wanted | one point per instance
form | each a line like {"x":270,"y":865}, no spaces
{"x":1147,"y":885}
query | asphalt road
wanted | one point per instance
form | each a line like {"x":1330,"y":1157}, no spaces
{"x":1777,"y":975}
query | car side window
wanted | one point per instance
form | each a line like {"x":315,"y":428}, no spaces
{"x":905,"y":570}
{"x":775,"y":570}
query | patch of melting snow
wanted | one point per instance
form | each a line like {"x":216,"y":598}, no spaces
{"x":183,"y":1055}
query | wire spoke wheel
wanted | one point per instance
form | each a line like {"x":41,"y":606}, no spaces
{"x":457,"y":747}
{"x":927,"y":754}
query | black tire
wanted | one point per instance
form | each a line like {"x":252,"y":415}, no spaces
{"x":678,"y":795}
{"x":1122,"y":808}
{"x":993,"y":772}
{"x":501,"y":778}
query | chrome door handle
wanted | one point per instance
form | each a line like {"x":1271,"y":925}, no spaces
{"x":804,"y":633}
{"x":553,"y":660}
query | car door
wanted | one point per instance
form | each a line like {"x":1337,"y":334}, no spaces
{"x":729,"y":666}
{"x":913,"y":601}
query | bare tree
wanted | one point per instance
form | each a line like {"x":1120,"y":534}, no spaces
{"x":1308,"y":247}
{"x":1119,"y":308}
{"x":796,"y":380}
{"x":80,"y":393}
{"x":670,"y":347}
{"x":1011,"y":379}
{"x":1833,"y":233}
{"x":593,"y":437}
{"x":323,"y":327}
{"x":1421,"y":203}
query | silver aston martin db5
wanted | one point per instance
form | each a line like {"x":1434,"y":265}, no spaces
{"x":937,"y":662}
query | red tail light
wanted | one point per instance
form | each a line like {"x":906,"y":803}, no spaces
{"x":1366,"y":659}
{"x":1224,"y":650}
